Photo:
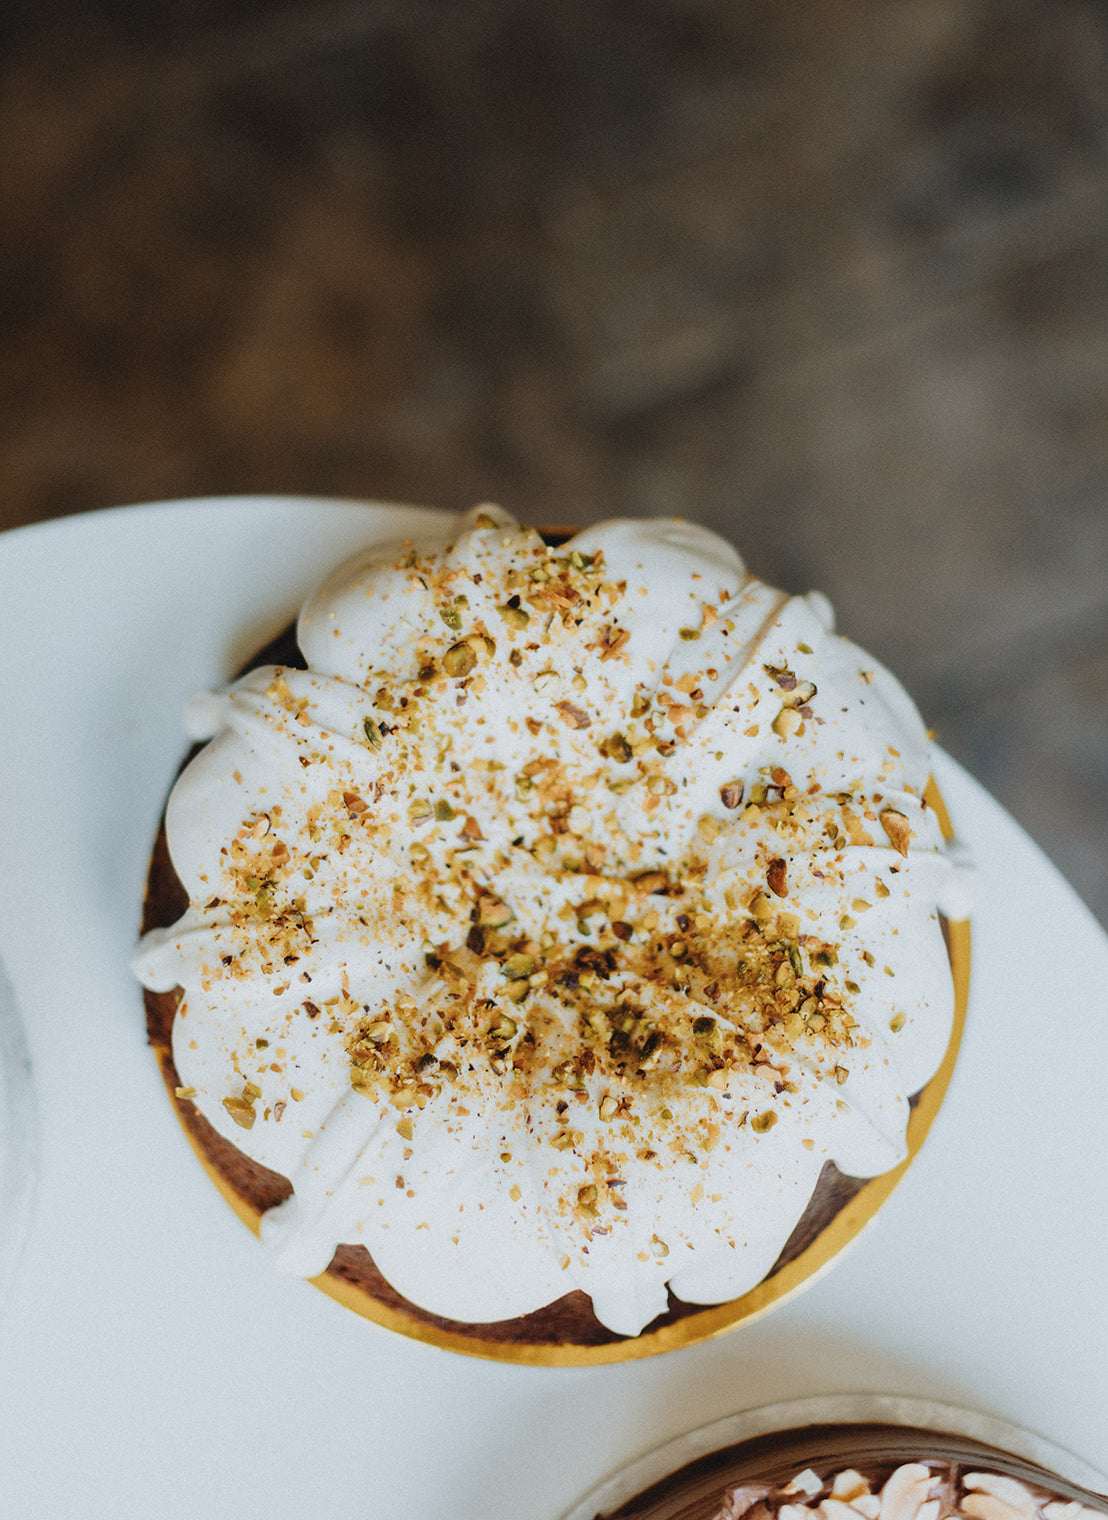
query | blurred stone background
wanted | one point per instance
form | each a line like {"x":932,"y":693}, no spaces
{"x":828,"y":276}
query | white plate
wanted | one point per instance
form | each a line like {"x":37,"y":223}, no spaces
{"x":150,"y":1360}
{"x":18,"y":1136}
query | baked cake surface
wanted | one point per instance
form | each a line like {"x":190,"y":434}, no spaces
{"x":510,"y":881}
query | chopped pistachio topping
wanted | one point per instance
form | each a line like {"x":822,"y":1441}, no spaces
{"x":602,"y":954}
{"x":459,"y":660}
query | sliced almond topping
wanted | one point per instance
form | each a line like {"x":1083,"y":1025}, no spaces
{"x":492,"y":913}
{"x":614,"y":640}
{"x":782,"y":675}
{"x":240,"y":1111}
{"x":896,"y":826}
{"x":575,"y":716}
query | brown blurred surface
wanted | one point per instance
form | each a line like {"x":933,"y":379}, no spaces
{"x":830,"y":278}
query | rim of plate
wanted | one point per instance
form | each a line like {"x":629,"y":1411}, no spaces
{"x":18,"y":1137}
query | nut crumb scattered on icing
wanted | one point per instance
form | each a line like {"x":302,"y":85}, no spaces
{"x":565,"y":887}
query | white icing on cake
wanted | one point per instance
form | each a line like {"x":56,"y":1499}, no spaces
{"x":486,"y":954}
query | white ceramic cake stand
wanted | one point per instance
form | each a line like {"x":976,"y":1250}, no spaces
{"x":151,"y":1362}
